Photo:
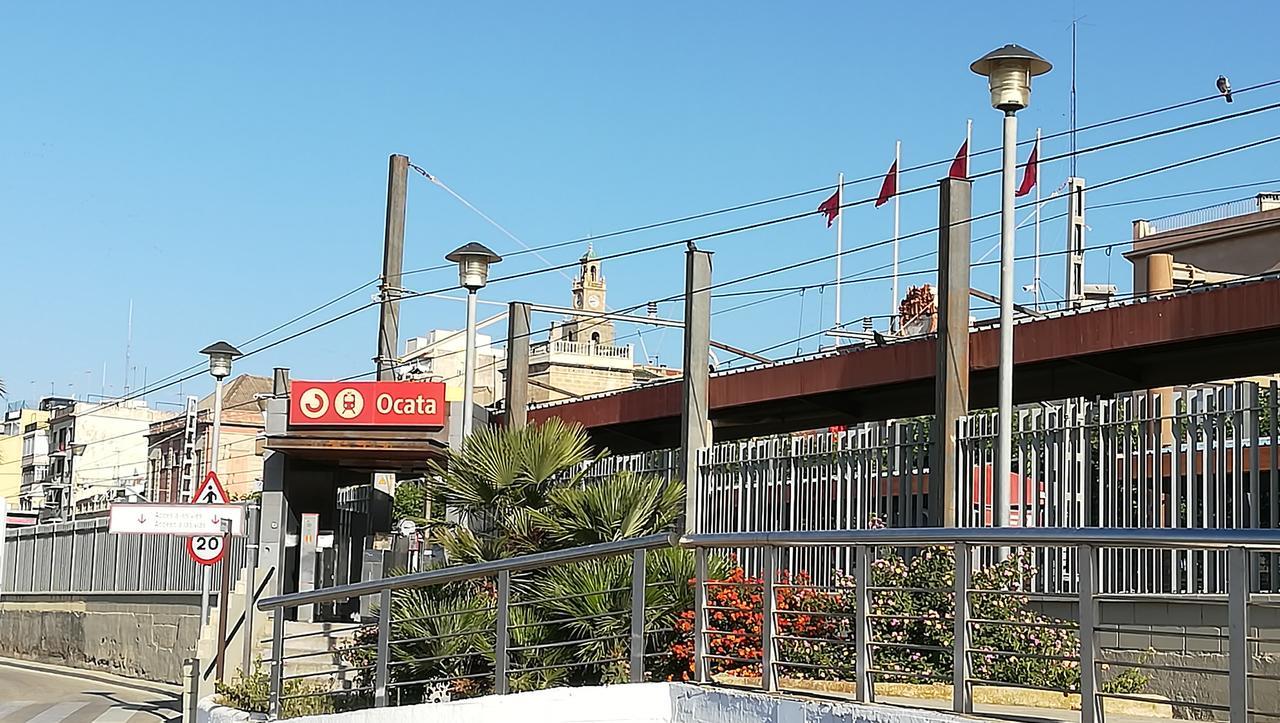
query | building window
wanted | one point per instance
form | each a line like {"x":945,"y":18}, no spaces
{"x":595,"y":337}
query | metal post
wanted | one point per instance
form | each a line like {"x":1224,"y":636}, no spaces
{"x":961,"y":695}
{"x":1090,"y":710}
{"x":695,"y":424}
{"x":206,"y":582}
{"x":224,"y":598}
{"x":517,"y":392}
{"x":700,"y":672}
{"x":1238,"y":632}
{"x":190,"y":688}
{"x":637,"y":616}
{"x":274,"y":513}
{"x":469,"y":367}
{"x":384,"y":650}
{"x":216,"y":439}
{"x":951,"y":395}
{"x":1007,"y":230}
{"x":392,"y":265}
{"x":277,"y":662}
{"x":502,"y":638}
{"x":215,"y":442}
{"x":768,"y":603}
{"x":250,"y":582}
{"x":862,"y":626}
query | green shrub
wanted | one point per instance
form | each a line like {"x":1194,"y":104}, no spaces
{"x":251,"y":693}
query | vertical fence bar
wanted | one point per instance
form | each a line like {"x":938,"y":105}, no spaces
{"x":1090,"y":710}
{"x":637,"y":616}
{"x":1238,"y":631}
{"x":768,"y":603}
{"x":277,"y":662}
{"x":501,"y":637}
{"x":961,"y":696}
{"x":384,"y":650}
{"x":1273,"y":419}
{"x":862,"y":633}
{"x":700,"y":616}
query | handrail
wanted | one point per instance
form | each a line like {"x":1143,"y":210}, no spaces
{"x":1168,"y":538}
{"x":444,"y":575}
{"x":1181,"y":538}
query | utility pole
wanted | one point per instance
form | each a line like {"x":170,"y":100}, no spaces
{"x":517,"y":393}
{"x":951,"y":395}
{"x":695,"y":422}
{"x":1075,"y":243}
{"x":392,"y":266}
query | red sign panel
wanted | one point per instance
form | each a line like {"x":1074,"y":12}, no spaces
{"x":367,"y":404}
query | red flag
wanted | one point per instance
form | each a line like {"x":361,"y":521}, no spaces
{"x":889,"y":188}
{"x":1029,"y":172}
{"x":960,"y":166}
{"x":831,"y":207}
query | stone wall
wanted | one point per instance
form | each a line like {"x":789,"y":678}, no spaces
{"x":139,"y":636}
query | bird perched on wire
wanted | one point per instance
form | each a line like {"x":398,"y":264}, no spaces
{"x":878,"y":338}
{"x":1224,"y":87}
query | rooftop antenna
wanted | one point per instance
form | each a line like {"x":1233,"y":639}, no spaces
{"x":128,"y":349}
{"x":1074,"y":23}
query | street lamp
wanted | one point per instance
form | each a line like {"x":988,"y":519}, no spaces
{"x":220,"y":356}
{"x":1009,"y":71}
{"x":473,"y":260}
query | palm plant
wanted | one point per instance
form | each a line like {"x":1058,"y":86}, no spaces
{"x":519,"y":491}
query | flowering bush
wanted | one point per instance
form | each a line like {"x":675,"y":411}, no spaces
{"x":912,"y":604}
{"x":735,"y":617}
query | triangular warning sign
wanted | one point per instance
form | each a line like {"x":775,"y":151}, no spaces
{"x":210,"y":491}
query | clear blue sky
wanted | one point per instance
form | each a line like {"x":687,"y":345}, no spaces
{"x":223,"y":165}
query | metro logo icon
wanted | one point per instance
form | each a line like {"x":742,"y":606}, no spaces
{"x":367,"y":404}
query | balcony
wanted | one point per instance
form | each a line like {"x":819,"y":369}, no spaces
{"x":582,"y":353}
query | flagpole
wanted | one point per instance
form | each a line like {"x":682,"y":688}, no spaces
{"x":1035,"y":283}
{"x":968,"y":148}
{"x":897,"y":169}
{"x":839,"y":244}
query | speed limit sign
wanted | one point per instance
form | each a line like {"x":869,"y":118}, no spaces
{"x":208,"y":549}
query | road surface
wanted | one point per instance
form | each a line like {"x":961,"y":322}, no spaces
{"x":30,"y":695}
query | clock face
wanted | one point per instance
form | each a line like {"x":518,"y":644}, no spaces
{"x":593,"y":302}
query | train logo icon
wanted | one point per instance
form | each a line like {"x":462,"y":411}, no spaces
{"x":348,"y":403}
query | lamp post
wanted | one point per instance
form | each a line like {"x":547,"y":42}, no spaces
{"x":473,"y":260}
{"x":220,"y":356}
{"x":1009,"y":71}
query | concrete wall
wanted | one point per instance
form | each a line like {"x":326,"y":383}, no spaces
{"x":143,"y":637}
{"x":1188,"y":633}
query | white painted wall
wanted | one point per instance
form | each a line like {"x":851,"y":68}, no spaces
{"x":638,"y":703}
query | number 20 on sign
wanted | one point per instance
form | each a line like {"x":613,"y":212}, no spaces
{"x":208,"y":549}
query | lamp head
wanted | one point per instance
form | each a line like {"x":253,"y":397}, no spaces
{"x":473,"y":260}
{"x":1009,"y":71}
{"x":220,"y":355}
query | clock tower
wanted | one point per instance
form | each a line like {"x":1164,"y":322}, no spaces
{"x":589,"y":296}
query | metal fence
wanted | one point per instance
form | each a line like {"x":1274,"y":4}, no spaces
{"x":83,"y":557}
{"x":1195,"y":458}
{"x":637,"y":609}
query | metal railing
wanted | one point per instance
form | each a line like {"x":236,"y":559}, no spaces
{"x":506,"y":630}
{"x":1206,"y":214}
